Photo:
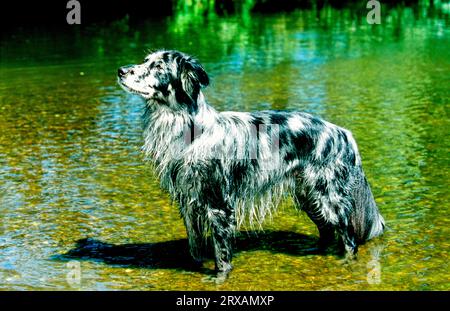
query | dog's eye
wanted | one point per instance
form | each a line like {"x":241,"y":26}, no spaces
{"x":156,"y":66}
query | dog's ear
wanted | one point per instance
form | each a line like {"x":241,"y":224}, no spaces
{"x":195,"y":72}
{"x":192,"y":78}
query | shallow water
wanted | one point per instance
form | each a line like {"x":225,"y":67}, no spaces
{"x":73,"y":180}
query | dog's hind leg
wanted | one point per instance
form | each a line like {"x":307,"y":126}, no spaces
{"x":326,"y":229}
{"x":343,"y":208}
{"x":347,"y":233}
{"x":330,"y":212}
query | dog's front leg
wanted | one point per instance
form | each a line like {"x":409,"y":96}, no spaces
{"x":222,"y":222}
{"x":194,"y":222}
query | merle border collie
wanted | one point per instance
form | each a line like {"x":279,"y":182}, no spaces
{"x":224,"y":167}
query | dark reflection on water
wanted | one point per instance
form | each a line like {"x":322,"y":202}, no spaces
{"x":175,"y":254}
{"x":71,"y":167}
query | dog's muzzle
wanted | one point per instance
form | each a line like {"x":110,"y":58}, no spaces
{"x":124,"y":70}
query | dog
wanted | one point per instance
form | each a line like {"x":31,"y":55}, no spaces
{"x":224,"y":167}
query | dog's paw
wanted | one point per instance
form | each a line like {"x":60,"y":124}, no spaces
{"x":217,"y":279}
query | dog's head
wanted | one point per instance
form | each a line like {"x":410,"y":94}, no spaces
{"x":168,"y":78}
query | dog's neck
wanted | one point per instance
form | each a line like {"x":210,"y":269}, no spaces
{"x":165,"y":130}
{"x":206,"y":116}
{"x":158,"y":114}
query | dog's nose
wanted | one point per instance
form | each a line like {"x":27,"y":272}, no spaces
{"x":122,"y":71}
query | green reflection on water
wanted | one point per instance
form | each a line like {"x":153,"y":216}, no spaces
{"x":71,"y":168}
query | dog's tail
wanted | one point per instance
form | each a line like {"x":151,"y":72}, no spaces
{"x":366,"y":218}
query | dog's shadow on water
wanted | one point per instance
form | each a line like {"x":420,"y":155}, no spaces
{"x":175,"y":254}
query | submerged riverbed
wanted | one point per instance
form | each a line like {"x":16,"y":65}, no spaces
{"x":73,"y":180}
